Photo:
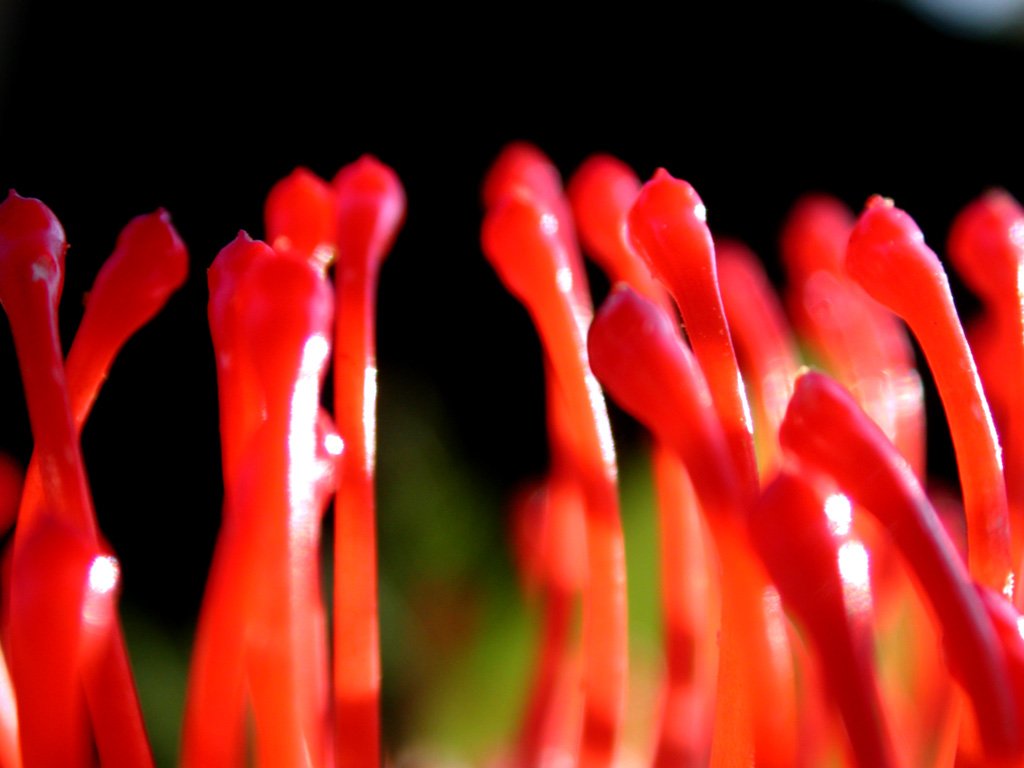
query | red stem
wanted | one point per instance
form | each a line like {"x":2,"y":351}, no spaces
{"x":804,"y":564}
{"x":602,"y":191}
{"x":858,"y":340}
{"x":763,"y":340}
{"x":215,"y":702}
{"x":370,"y":209}
{"x":286,"y":326}
{"x":521,"y":241}
{"x":667,"y":227}
{"x":688,"y":599}
{"x":985,"y":244}
{"x":825,"y":429}
{"x":888,"y":258}
{"x":640,"y":359}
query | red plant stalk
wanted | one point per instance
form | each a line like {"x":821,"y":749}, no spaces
{"x":266,"y":632}
{"x":286,"y":320}
{"x":148,"y":265}
{"x":370,"y":208}
{"x":805,"y":566}
{"x":887,"y":256}
{"x":764,"y":342}
{"x":11,"y":483}
{"x":32,"y":276}
{"x":215,"y":702}
{"x":825,"y":429}
{"x":638,"y":356}
{"x":300,"y":223}
{"x":520,"y":239}
{"x":550,"y":720}
{"x":986,"y":245}
{"x":667,"y":225}
{"x":523,"y":169}
{"x":602,"y":191}
{"x":549,"y":526}
{"x":862,"y":343}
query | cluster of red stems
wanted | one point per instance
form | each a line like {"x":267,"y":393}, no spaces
{"x":796,"y":557}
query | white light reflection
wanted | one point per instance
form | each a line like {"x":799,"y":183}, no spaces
{"x":563,"y":279}
{"x":324,"y":255}
{"x":855,"y":570}
{"x":302,"y":436}
{"x":549,"y":224}
{"x":701,"y":212}
{"x":604,"y":427}
{"x":104,"y":574}
{"x":333,"y":444}
{"x":748,"y":420}
{"x":839,"y":512}
{"x":370,"y":415}
{"x":775,"y":622}
{"x":103,"y":577}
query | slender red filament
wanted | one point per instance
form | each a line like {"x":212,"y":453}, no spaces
{"x":986,"y":245}
{"x":858,"y":340}
{"x":370,"y":208}
{"x":825,"y":429}
{"x":667,"y":225}
{"x":520,"y":238}
{"x":887,"y":256}
{"x":602,"y":191}
{"x":805,"y":566}
{"x":638,"y":356}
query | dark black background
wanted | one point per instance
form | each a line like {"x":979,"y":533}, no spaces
{"x":106,"y":113}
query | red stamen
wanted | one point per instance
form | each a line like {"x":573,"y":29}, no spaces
{"x":602,"y":191}
{"x":763,"y":340}
{"x":860,"y":342}
{"x":300,"y":218}
{"x":47,"y":642}
{"x":667,"y":226}
{"x":522,"y":168}
{"x":370,"y":211}
{"x":552,"y":516}
{"x":889,"y":259}
{"x":826,"y":430}
{"x":804,"y":564}
{"x":148,"y":264}
{"x":986,"y":245}
{"x":520,"y":238}
{"x":32,"y":250}
{"x":640,"y":359}
{"x":31,"y":277}
{"x":287,"y":310}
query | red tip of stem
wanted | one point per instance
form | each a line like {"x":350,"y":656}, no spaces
{"x":637,"y":355}
{"x":601,"y":192}
{"x":148,"y":264}
{"x":815,"y":235}
{"x":669,"y":219}
{"x":986,"y":244}
{"x":888,"y":257}
{"x":370,"y":211}
{"x":521,"y":167}
{"x":300,"y":217}
{"x":520,"y":239}
{"x":32,"y":244}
